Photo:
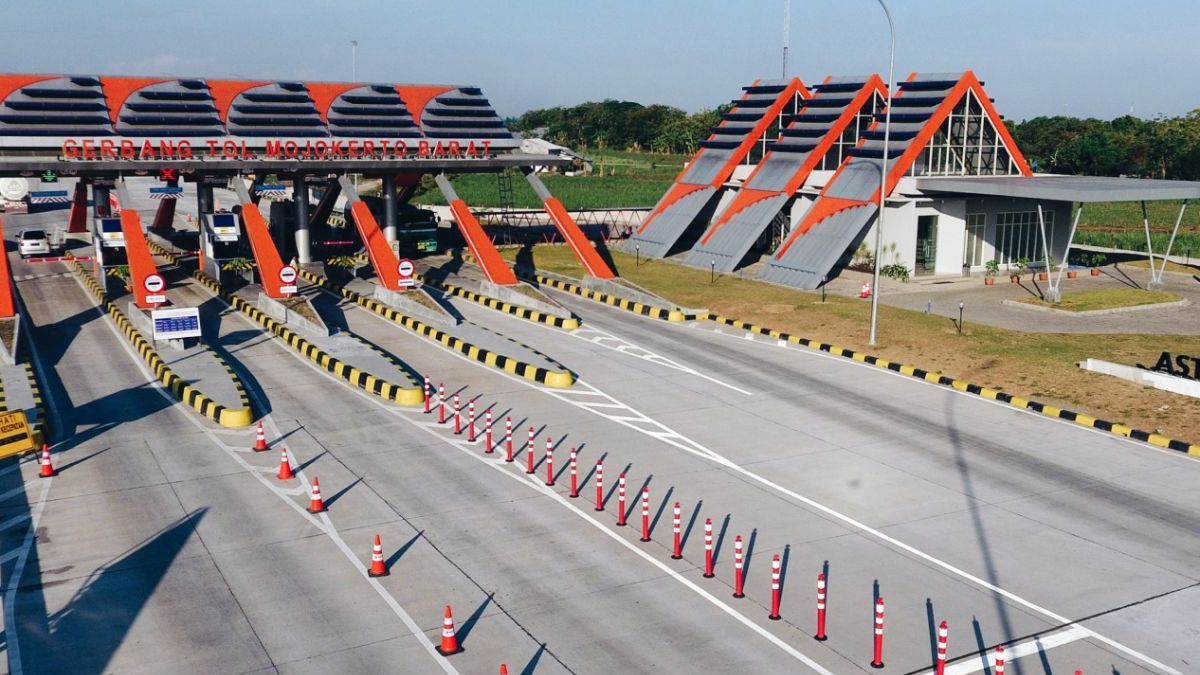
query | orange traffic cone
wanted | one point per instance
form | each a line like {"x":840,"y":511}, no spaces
{"x":315,"y":503}
{"x":503,"y":669}
{"x":47,"y":470}
{"x":378,"y":569}
{"x":260,"y":439}
{"x":285,"y":467}
{"x":449,"y":642}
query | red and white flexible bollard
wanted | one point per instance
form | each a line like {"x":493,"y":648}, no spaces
{"x":621,"y":500}
{"x":708,"y":549}
{"x":739,"y":561}
{"x":549,"y":461}
{"x":677,"y":548}
{"x":529,"y":453}
{"x":457,"y":416}
{"x":428,"y":396}
{"x":645,"y":513}
{"x":600,"y":484}
{"x":487,"y":432}
{"x":877,"y":662}
{"x":574,"y":475}
{"x":943,"y":638}
{"x":999,"y":669}
{"x":508,"y":450}
{"x":442,"y":403}
{"x":775,"y":591}
{"x":821,"y":608}
{"x":471,"y":421}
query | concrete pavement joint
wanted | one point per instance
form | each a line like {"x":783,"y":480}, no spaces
{"x":322,"y":523}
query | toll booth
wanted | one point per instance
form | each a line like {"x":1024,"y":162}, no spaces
{"x":221,"y":240}
{"x":110,"y":253}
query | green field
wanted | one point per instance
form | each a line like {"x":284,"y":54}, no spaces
{"x":619,"y":180}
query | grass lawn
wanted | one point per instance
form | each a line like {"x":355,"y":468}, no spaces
{"x":1035,"y":365}
{"x":1194,"y":268}
{"x":1109,"y":298}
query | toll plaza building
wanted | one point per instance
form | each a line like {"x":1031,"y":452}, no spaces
{"x":263,"y":139}
{"x":787,"y":186}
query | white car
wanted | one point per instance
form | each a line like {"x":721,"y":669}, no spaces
{"x":33,"y":242}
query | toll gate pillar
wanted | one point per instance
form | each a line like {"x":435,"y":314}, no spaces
{"x":204,"y":197}
{"x":389,"y":208}
{"x":77,"y":222}
{"x":100,"y":204}
{"x":300,"y":197}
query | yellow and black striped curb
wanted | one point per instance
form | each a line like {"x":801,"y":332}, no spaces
{"x":621,"y":303}
{"x":41,"y":427}
{"x":408,"y":396}
{"x":984,"y":392}
{"x":226,"y":417}
{"x":519,"y":311}
{"x":389,"y":357}
{"x":561,"y":379}
{"x":243,"y":396}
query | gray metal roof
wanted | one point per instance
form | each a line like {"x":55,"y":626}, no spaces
{"x":808,"y":260}
{"x":1065,"y":188}
{"x":670,"y":224}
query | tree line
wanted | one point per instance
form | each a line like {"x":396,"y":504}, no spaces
{"x":621,"y":125}
{"x":1163,"y":147}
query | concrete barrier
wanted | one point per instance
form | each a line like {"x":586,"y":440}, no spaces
{"x":193,"y":397}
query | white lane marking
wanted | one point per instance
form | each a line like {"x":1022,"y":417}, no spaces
{"x":628,"y":348}
{"x":805,"y":351}
{"x":11,"y":632}
{"x":18,"y":490}
{"x":13,"y":521}
{"x":323,"y":523}
{"x":672,"y":437}
{"x":1027,"y":648}
{"x":535,"y":483}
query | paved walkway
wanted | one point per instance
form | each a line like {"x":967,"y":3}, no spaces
{"x":984,"y":304}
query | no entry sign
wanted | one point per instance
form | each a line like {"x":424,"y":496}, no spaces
{"x":406,"y":270}
{"x":153,"y":283}
{"x":287,"y":275}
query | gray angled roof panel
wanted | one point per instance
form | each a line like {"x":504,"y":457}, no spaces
{"x":729,"y":243}
{"x":666,"y":228}
{"x":812,"y":255}
{"x":858,"y":180}
{"x":704,"y":169}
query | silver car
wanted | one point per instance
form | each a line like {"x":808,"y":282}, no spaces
{"x":33,"y":242}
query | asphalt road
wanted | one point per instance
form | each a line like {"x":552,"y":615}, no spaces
{"x":166,"y":545}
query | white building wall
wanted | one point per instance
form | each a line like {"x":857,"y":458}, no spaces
{"x":951,"y":231}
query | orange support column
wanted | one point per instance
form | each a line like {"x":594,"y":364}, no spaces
{"x":569,"y":229}
{"x":77,"y":223}
{"x":266,"y":256}
{"x":383,"y":259}
{"x":494,"y":268}
{"x":141,"y":262}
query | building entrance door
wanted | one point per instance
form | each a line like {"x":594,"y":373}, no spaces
{"x":926,"y":245}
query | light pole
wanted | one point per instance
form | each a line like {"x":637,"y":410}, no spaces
{"x":354,"y":60}
{"x":883,"y":171}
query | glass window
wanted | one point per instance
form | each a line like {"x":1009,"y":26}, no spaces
{"x":1018,"y":235}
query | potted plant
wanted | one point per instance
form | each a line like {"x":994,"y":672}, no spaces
{"x":120,"y":272}
{"x":1045,"y":276}
{"x":991,"y":269}
{"x":1096,"y":261}
{"x":340,"y":268}
{"x":240,"y":272}
{"x":1018,"y":268}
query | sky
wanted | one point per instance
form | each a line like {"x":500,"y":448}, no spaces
{"x":1086,"y":58}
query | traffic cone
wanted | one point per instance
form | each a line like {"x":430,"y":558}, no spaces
{"x":260,"y":439}
{"x":378,"y":569}
{"x":315,"y":503}
{"x":285,"y":467}
{"x":449,"y":642}
{"x":47,"y":470}
{"x":503,"y":669}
